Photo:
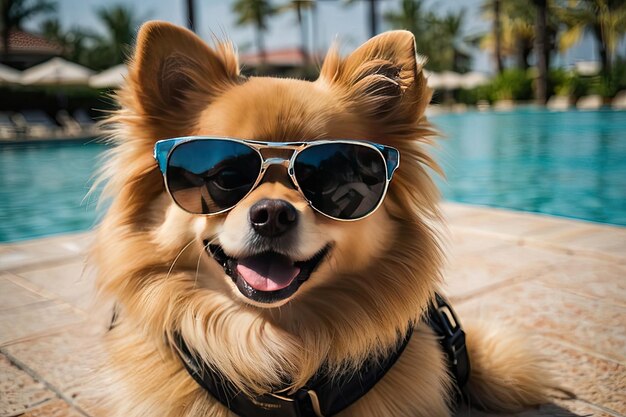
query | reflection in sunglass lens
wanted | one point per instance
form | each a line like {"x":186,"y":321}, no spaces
{"x":342,"y":180}
{"x":208,"y":176}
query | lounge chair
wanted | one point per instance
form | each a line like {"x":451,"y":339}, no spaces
{"x":70,"y":126}
{"x":483,"y":105}
{"x":592,"y":102}
{"x":504,"y":105}
{"x":39,"y":125}
{"x":8,"y":130}
{"x":559,"y":103}
{"x":85,"y":121}
{"x":619,"y":102}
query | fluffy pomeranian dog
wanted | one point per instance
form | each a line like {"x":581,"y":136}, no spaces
{"x":262,"y":267}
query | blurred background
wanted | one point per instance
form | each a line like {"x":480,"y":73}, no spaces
{"x":530,"y":95}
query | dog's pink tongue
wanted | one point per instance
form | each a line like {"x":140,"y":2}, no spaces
{"x":267,"y":272}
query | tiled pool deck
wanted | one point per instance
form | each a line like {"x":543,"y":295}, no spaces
{"x":562,"y":280}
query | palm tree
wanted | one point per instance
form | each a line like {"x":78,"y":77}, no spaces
{"x":121,"y":26}
{"x":451,"y":27}
{"x":255,"y":12}
{"x":413,"y":16}
{"x":409,"y":17}
{"x":191,"y":15}
{"x":16,"y":12}
{"x":497,"y":35}
{"x":74,"y":42}
{"x":299,"y":6}
{"x":518,"y":21}
{"x":440,"y":39}
{"x":518,"y":25}
{"x":512,"y":31}
{"x":96,"y":50}
{"x":541,"y":50}
{"x":604,"y":19}
{"x":51,"y":29}
{"x":373,"y":17}
{"x":372,"y":14}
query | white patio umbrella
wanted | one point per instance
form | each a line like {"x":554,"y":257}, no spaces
{"x":588,"y":68}
{"x":112,"y":77}
{"x":451,"y":80}
{"x":56,"y":71}
{"x":9,"y":75}
{"x":473,"y":79}
{"x":446,"y":80}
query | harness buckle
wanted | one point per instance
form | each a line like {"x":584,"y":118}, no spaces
{"x":315,"y":403}
{"x":278,"y":404}
{"x":304,"y":403}
{"x":452,"y":338}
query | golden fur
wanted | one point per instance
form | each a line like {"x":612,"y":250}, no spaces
{"x":378,"y":277}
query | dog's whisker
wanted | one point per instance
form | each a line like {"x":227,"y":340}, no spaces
{"x":204,"y":248}
{"x":169,"y":272}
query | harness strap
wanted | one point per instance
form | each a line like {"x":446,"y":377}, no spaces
{"x":323,"y":396}
{"x":442,"y":319}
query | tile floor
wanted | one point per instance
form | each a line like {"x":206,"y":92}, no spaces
{"x":562,"y":280}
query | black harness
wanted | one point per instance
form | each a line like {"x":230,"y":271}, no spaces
{"x":324,"y":397}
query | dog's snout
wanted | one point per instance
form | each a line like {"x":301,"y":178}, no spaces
{"x":272,"y":218}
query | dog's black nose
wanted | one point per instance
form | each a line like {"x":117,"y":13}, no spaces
{"x":272,"y":218}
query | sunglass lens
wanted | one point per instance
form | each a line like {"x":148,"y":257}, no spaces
{"x":208,"y":176}
{"x":345,"y":181}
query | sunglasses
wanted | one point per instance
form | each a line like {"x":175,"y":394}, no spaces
{"x":341,"y":179}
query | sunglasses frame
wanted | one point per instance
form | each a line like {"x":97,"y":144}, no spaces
{"x":163,"y":149}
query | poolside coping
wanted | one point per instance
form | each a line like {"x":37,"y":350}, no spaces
{"x":562,"y":281}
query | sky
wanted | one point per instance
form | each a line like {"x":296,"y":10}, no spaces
{"x":335,"y":19}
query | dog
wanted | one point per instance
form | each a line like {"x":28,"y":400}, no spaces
{"x":308,"y":249}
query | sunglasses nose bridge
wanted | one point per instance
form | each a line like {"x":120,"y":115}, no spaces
{"x":277,"y":174}
{"x":275,"y":161}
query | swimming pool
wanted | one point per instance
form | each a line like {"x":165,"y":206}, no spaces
{"x":43,"y":188}
{"x":569,"y":164}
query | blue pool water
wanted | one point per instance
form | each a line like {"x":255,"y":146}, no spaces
{"x":43,"y":188}
{"x":569,"y":164}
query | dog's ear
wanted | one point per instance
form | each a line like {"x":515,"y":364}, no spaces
{"x":174,"y":74}
{"x":383,"y":78}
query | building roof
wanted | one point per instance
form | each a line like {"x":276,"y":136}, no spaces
{"x":30,"y":43}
